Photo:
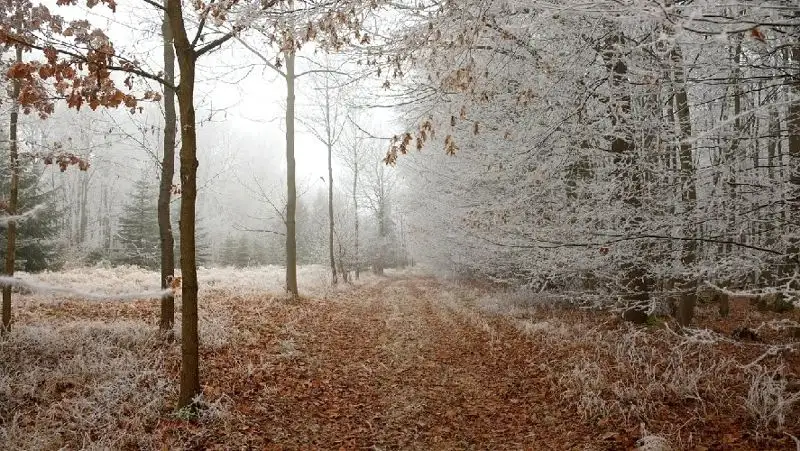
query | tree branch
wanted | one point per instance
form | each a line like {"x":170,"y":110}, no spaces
{"x":320,"y":71}
{"x":620,"y":238}
{"x":155,"y":5}
{"x":214,"y":44}
{"x":261,"y":57}
{"x":368,"y":134}
{"x":202,"y":23}
{"x":246,"y":229}
{"x":82,"y":58}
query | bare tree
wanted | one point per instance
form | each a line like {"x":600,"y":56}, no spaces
{"x":379,"y":185}
{"x":327,"y":125}
{"x":165,"y":188}
{"x":353,"y":156}
{"x":291,"y":187}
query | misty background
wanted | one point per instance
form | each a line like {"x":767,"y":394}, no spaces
{"x":107,"y":214}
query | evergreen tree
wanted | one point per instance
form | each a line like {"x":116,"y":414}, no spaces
{"x":237,"y":251}
{"x":37,"y":246}
{"x":226,"y":255}
{"x":259,"y":251}
{"x":138,"y":226}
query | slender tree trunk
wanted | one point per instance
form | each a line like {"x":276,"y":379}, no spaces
{"x":756,"y":229}
{"x":101,"y":216}
{"x":291,"y":188}
{"x":773,"y":160}
{"x":670,"y":163}
{"x":167,"y":318}
{"x":84,"y":206}
{"x":106,"y":218}
{"x":772,"y":142}
{"x":13,"y":197}
{"x":187,"y":59}
{"x":403,"y":244}
{"x":782,"y":168}
{"x":355,"y":211}
{"x":687,"y":178}
{"x":793,"y":129}
{"x":343,"y":258}
{"x":635,"y":276}
{"x":329,"y":142}
{"x":66,"y":223}
{"x":380,"y":262}
{"x":732,"y":155}
{"x":330,"y":214}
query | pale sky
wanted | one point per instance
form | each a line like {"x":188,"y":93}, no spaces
{"x":235,"y":89}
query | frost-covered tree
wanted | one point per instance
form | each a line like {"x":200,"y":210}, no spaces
{"x":327,"y":123}
{"x":352,"y":154}
{"x":379,"y":184}
{"x":634,"y":148}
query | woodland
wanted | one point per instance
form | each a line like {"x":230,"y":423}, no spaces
{"x":400,"y":224}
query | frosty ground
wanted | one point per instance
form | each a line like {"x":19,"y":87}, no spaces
{"x":402,"y":361}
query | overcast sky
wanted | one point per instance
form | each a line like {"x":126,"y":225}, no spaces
{"x":235,"y":89}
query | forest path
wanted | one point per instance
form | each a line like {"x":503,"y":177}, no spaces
{"x":385,"y":366}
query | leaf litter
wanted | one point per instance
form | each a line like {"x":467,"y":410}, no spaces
{"x":408,"y":362}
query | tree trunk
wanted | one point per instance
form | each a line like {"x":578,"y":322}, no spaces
{"x":773,"y":160}
{"x":342,"y":258}
{"x":380,"y":262}
{"x":330,"y":214}
{"x":187,"y":59}
{"x":105,"y":218}
{"x":687,"y":179}
{"x":635,"y":276}
{"x":793,"y":129}
{"x":84,"y":207}
{"x":13,"y":197}
{"x":774,"y":136}
{"x":329,"y":142}
{"x":403,"y":244}
{"x":355,"y":209}
{"x":730,"y":160}
{"x":165,"y":189}
{"x":291,"y":189}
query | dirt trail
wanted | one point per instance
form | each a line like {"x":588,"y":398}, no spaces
{"x":384,"y":367}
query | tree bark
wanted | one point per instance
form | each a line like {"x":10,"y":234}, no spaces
{"x":330,"y":215}
{"x":793,"y":129}
{"x":635,"y":276}
{"x":291,"y":188}
{"x":187,"y":59}
{"x":355,"y":207}
{"x":13,"y":198}
{"x":732,"y":155}
{"x":687,"y":179}
{"x":105,"y":218}
{"x":84,"y":206}
{"x":380,"y":261}
{"x":329,"y":143}
{"x":167,"y":318}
